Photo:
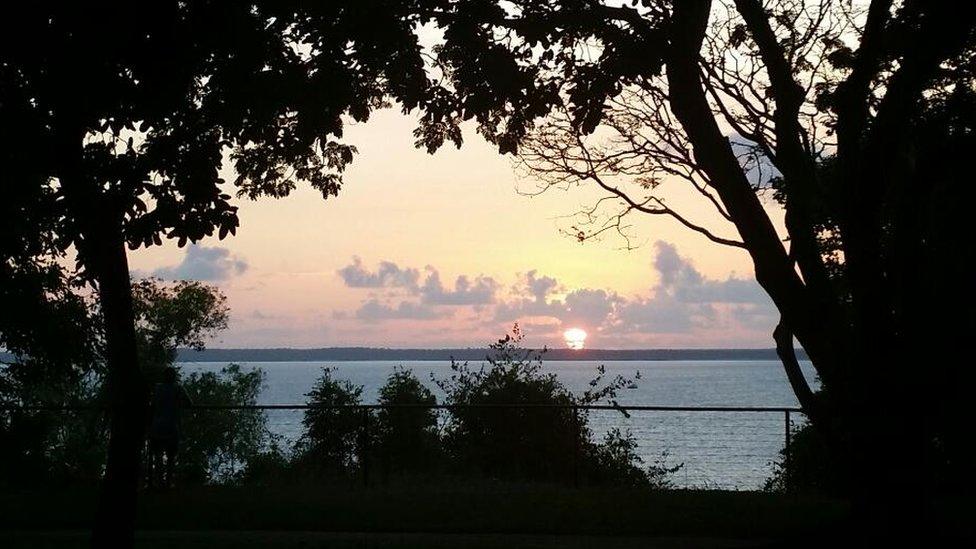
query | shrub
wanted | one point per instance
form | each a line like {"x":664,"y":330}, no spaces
{"x":406,"y":438}
{"x":813,"y":467}
{"x":217,"y":445}
{"x":332,"y":437}
{"x":546,"y":438}
{"x":56,"y":447}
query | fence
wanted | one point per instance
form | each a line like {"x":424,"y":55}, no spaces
{"x":729,"y":447}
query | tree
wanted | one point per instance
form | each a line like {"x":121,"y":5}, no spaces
{"x":826,"y":103}
{"x":331,"y":445}
{"x":548,"y":440}
{"x":117,"y":118}
{"x":219,"y":445}
{"x":53,"y":335}
{"x":58,"y":361}
{"x":407,"y":438}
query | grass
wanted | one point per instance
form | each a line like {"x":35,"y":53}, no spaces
{"x":429,"y":516}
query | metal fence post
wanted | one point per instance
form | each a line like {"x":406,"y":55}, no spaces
{"x":364,"y":451}
{"x":233,"y":443}
{"x":786,"y":450}
{"x":576,"y":447}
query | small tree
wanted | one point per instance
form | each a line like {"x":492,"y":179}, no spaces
{"x":514,"y":421}
{"x":333,"y":437}
{"x":218,"y":445}
{"x":407,"y":438}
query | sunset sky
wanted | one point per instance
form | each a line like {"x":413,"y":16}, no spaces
{"x":441,"y":250}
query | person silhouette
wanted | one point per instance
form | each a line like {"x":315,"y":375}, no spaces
{"x":168,"y":399}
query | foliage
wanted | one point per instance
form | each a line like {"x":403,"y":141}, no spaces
{"x":58,"y":347}
{"x":218,"y":444}
{"x":616,"y":461}
{"x":45,"y":320}
{"x":169,"y":316}
{"x":333,"y":433}
{"x":53,"y":334}
{"x":115,"y":123}
{"x":407,"y":439}
{"x":173,"y":87}
{"x":51,"y":447}
{"x":508,"y":420}
{"x":857,"y":115}
{"x":273,"y":464}
{"x":814,"y":466}
{"x":543,"y":438}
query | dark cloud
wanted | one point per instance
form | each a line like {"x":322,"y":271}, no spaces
{"x":481,"y":291}
{"x":387,"y":275}
{"x":374,"y":311}
{"x":204,"y":264}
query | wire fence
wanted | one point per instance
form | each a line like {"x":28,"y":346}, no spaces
{"x":719,"y":447}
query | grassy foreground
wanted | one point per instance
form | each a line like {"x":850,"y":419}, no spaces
{"x":470,"y":516}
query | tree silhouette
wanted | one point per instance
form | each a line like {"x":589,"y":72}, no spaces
{"x":116,"y":120}
{"x":827,"y":105}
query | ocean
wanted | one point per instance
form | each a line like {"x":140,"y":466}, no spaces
{"x":727,"y":450}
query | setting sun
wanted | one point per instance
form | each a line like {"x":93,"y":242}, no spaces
{"x":575,"y":338}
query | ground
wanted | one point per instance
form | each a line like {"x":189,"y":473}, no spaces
{"x":476,"y":516}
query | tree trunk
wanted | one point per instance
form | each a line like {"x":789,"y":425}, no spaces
{"x":116,"y":513}
{"x":101,"y":251}
{"x":774,"y":268}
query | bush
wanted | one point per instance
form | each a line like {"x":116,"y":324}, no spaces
{"x":49,"y":447}
{"x":330,"y":444}
{"x":547,"y":439}
{"x":218,"y":444}
{"x":813,"y":467}
{"x":271,"y":465}
{"x":406,"y":439}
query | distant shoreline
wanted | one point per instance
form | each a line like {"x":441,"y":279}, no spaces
{"x":361,"y":354}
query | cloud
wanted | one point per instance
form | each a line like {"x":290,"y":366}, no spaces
{"x":532,"y":299}
{"x":387,"y":275}
{"x":587,"y":307}
{"x":661,"y":313}
{"x":374,"y":311}
{"x":684,"y":300}
{"x":684,"y":304}
{"x":540,"y":286}
{"x":680,"y":277}
{"x":478,"y":291}
{"x":205,"y":264}
{"x":481,"y":291}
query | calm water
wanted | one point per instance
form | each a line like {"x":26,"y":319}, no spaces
{"x":718,"y":449}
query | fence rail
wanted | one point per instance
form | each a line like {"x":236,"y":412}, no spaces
{"x":786,"y":411}
{"x":628,"y":408}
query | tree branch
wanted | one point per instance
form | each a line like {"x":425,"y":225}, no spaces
{"x":774,"y":269}
{"x":787,"y":355}
{"x":792,"y":159}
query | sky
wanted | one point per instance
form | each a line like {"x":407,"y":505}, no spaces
{"x":447,"y":250}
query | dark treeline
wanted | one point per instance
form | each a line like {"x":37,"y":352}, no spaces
{"x":379,"y":353}
{"x":54,"y":448}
